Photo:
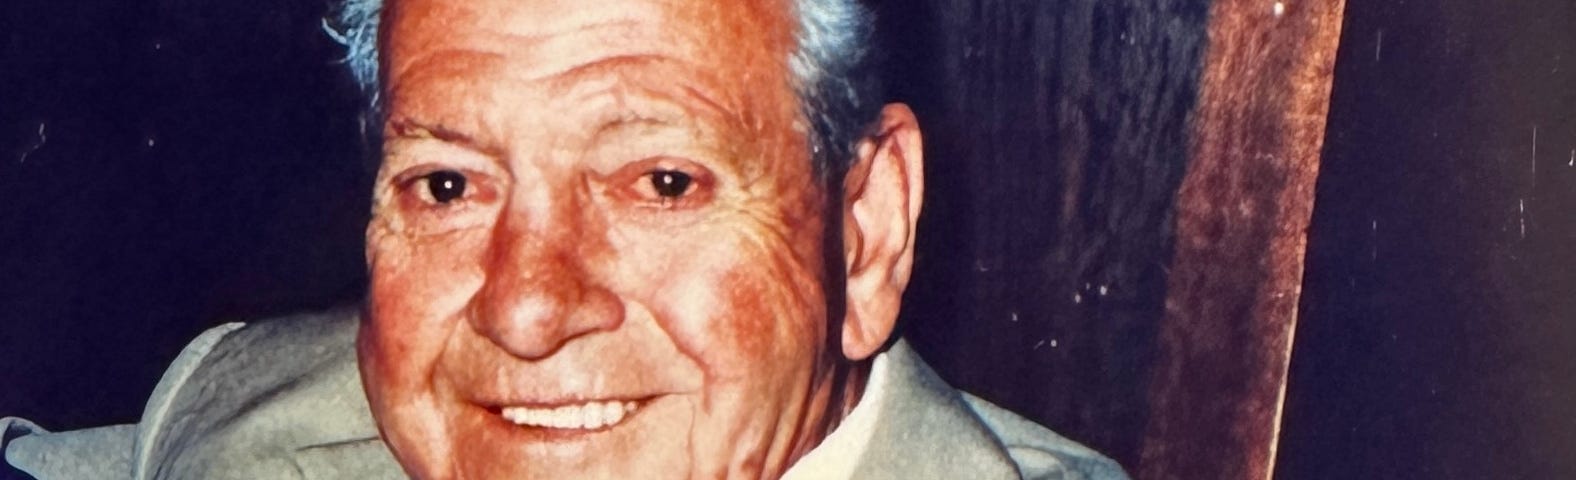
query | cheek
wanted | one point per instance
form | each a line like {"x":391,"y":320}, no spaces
{"x":772,"y":314}
{"x":740,"y":301}
{"x":419,"y":287}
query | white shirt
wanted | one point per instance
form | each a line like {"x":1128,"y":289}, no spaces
{"x":839,"y":452}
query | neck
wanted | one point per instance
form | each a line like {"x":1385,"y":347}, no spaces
{"x":837,"y":393}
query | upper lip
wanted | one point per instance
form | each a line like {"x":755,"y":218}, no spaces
{"x":561,"y":400}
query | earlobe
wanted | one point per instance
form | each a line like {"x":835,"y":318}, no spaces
{"x":882,"y":194}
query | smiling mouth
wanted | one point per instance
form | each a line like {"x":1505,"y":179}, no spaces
{"x":582,"y":416}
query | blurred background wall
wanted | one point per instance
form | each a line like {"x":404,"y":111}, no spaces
{"x":1439,"y":308}
{"x":1055,"y":141}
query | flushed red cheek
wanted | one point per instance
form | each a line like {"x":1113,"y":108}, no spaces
{"x":774,"y":311}
{"x":418,"y":287}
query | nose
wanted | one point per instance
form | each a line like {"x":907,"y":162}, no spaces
{"x":539,"y":294}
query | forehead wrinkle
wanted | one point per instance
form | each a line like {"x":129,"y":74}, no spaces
{"x":548,"y":48}
{"x":742,"y":84}
{"x":626,"y":74}
{"x":436,"y":93}
{"x":622,"y":93}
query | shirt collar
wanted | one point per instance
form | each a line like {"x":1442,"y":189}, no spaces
{"x":838,"y":454}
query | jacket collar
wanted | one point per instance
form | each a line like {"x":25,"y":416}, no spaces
{"x":925,"y":430}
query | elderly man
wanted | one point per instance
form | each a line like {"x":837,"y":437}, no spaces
{"x":617,"y":239}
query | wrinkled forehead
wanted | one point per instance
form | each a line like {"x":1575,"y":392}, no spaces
{"x":748,"y":38}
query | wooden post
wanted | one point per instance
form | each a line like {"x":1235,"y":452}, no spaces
{"x":1242,"y":215}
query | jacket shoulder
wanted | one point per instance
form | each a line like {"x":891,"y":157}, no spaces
{"x":929,"y":429}
{"x":258,"y":398}
{"x":103,"y":452}
{"x":1040,"y":452}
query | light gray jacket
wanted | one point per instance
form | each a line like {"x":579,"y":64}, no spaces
{"x":283,"y":399}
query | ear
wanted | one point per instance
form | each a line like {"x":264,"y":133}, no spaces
{"x":882,"y":193}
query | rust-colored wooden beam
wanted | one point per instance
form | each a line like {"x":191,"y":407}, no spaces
{"x":1242,"y":217}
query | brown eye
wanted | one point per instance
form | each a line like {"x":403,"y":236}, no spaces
{"x":445,"y":185}
{"x":669,"y":183}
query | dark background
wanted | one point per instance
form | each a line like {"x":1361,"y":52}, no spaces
{"x":171,"y":165}
{"x":1055,"y":139}
{"x":167,"y":166}
{"x":1437,"y":337}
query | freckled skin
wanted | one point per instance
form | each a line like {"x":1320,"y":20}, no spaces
{"x":560,"y":275}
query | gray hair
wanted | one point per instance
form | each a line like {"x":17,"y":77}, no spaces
{"x":834,"y":67}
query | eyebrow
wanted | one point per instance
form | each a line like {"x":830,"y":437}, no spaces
{"x":410,"y":128}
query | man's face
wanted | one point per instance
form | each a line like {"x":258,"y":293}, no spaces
{"x":596,"y":247}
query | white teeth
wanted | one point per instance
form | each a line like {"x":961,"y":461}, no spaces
{"x":588,"y":416}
